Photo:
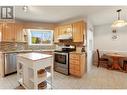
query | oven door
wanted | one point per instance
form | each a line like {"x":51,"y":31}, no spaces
{"x":61,"y":59}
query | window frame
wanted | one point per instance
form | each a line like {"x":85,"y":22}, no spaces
{"x":39,"y":30}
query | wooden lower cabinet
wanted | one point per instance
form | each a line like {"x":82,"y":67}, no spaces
{"x":77,"y":64}
{"x":1,"y":64}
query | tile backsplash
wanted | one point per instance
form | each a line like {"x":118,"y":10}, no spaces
{"x":70,"y":42}
{"x":40,"y":47}
{"x":13,"y":46}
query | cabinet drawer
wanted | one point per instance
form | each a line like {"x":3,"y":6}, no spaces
{"x":77,"y":62}
{"x":74,"y":56}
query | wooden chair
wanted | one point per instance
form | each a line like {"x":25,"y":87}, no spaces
{"x":102,"y":60}
{"x":125,"y":65}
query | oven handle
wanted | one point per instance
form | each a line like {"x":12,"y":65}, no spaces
{"x":61,"y":53}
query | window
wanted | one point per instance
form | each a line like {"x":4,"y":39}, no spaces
{"x":40,"y":37}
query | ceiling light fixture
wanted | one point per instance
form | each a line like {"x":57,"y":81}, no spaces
{"x":119,"y":22}
{"x":25,"y":8}
{"x":114,"y":36}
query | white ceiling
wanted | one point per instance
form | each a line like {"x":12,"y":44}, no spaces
{"x":97,"y":14}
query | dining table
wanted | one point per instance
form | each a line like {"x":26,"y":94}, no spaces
{"x":116,"y":57}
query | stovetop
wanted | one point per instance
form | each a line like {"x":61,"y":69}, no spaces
{"x":62,"y":51}
{"x":66,"y":51}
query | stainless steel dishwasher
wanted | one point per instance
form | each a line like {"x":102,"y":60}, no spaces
{"x":10,"y":63}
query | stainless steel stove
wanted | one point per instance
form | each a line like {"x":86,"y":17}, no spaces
{"x":61,"y":60}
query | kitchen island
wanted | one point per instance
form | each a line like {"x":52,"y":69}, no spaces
{"x":29,"y":64}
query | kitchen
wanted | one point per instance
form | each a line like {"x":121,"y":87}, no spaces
{"x":64,"y":42}
{"x":23,"y":37}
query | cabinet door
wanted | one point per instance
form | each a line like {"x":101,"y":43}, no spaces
{"x":65,"y":29}
{"x":8,"y":32}
{"x":56,"y":34}
{"x":68,"y":28}
{"x":78,"y":31}
{"x":62,"y":30}
{"x":19,"y":34}
{"x":1,"y":32}
{"x":75,"y":56}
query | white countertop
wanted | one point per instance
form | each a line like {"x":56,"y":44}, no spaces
{"x":34,"y":56}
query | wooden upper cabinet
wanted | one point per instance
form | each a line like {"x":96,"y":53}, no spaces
{"x":65,"y":29}
{"x":19,"y":34}
{"x":60,"y":30}
{"x":11,"y":32}
{"x":8,"y":33}
{"x":1,"y":32}
{"x":78,"y":31}
{"x":68,"y":28}
{"x":56,"y":34}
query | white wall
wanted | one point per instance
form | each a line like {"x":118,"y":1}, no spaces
{"x":72,"y":20}
{"x":89,"y":45}
{"x":103,"y":38}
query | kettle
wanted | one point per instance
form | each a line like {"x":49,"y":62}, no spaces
{"x":83,"y":49}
